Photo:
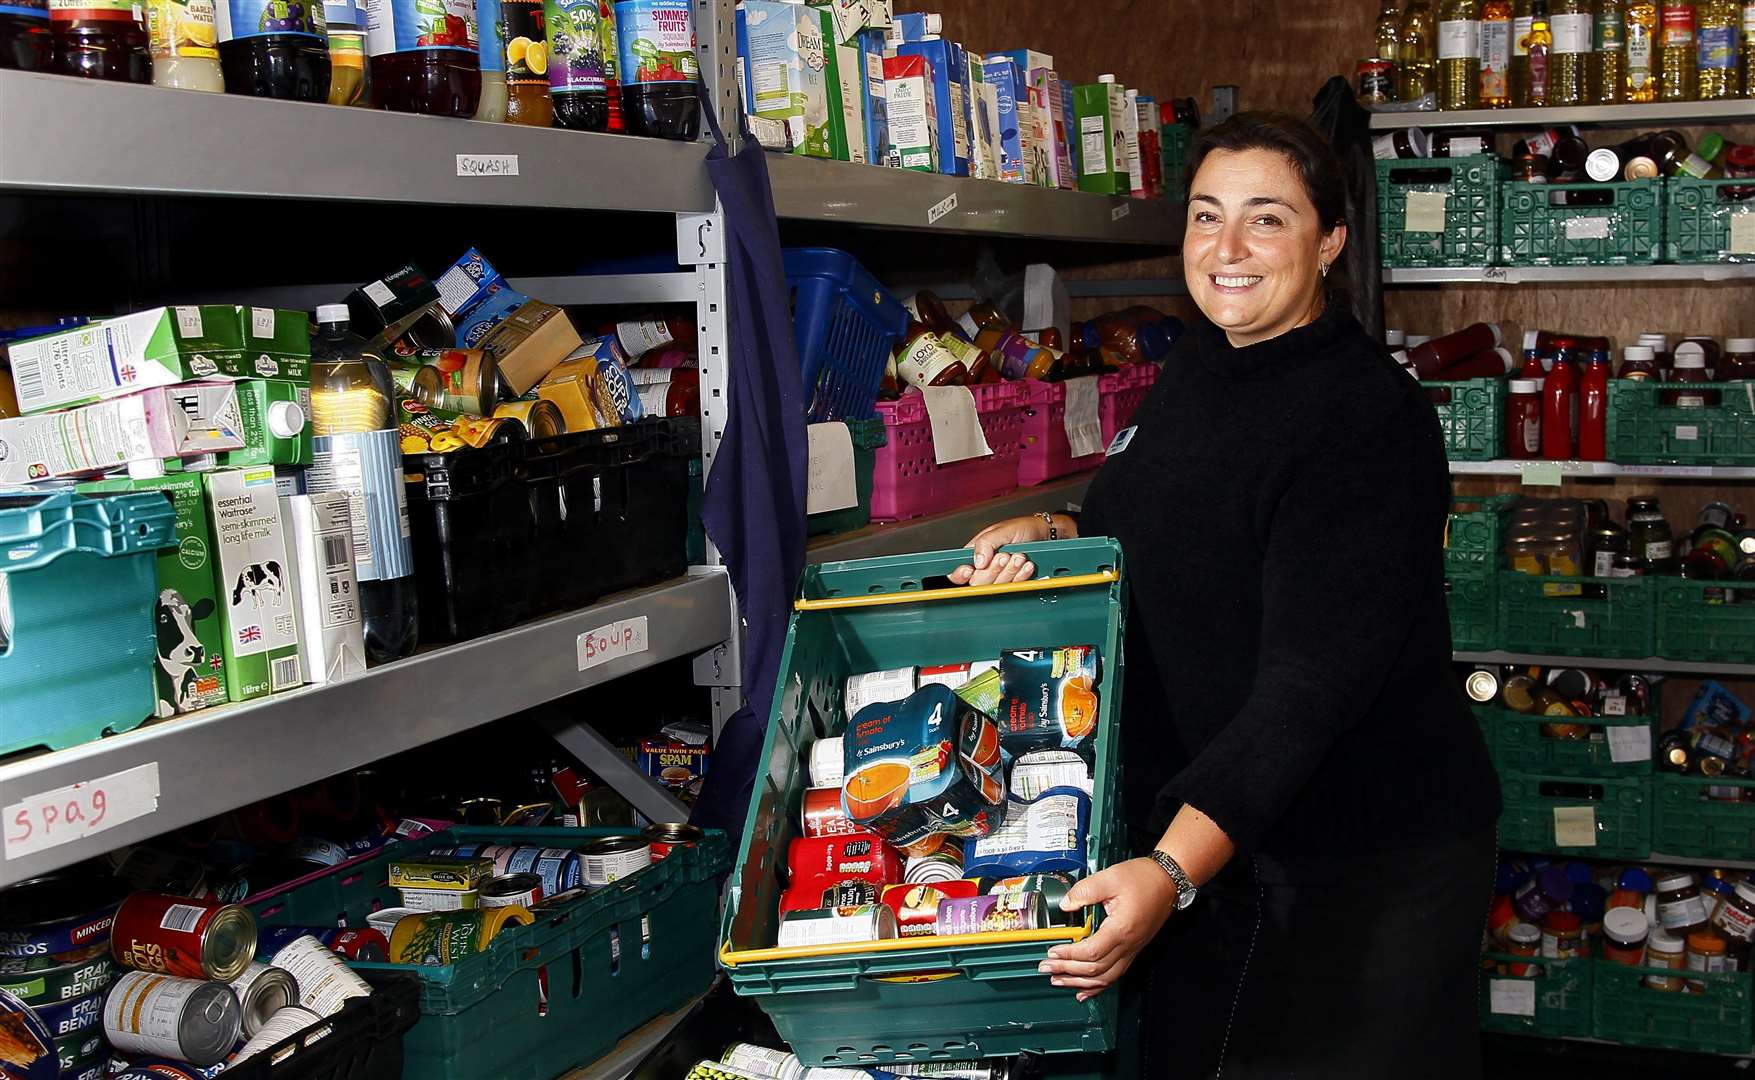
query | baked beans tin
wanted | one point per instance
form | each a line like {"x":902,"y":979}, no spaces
{"x":190,"y":1019}
{"x":263,"y":991}
{"x":827,"y":762}
{"x":62,"y":983}
{"x":837,"y":926}
{"x":822,"y":814}
{"x":990,"y":913}
{"x":281,"y":1026}
{"x":511,"y":890}
{"x":667,"y":836}
{"x":441,"y":899}
{"x":613,"y":858}
{"x":36,"y":930}
{"x":179,"y":935}
{"x":31,"y":1052}
{"x":324,"y":980}
{"x":443,"y":937}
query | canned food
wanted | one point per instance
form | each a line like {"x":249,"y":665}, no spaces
{"x":67,"y":1018}
{"x":1053,"y":888}
{"x":159,"y":1068}
{"x":613,"y":858}
{"x":178,"y":935}
{"x":672,"y":835}
{"x":916,"y":906}
{"x":823,"y":815}
{"x":945,"y":864}
{"x":991,"y":913}
{"x":384,"y":920}
{"x":32,"y":1049}
{"x":816,"y":865}
{"x":263,"y":991}
{"x":77,"y":1051}
{"x":99,"y":1069}
{"x":441,"y":899}
{"x":511,"y":890}
{"x":1374,"y":80}
{"x":455,"y":380}
{"x":324,"y":980}
{"x":13,"y":966}
{"x":62,"y":983}
{"x":763,"y":1061}
{"x":541,"y":417}
{"x":281,"y":1026}
{"x":836,"y":926}
{"x":827,"y":769}
{"x":719,"y":1070}
{"x":35,"y":930}
{"x":368,"y":945}
{"x":559,"y":868}
{"x":1044,"y":770}
{"x":317,"y":852}
{"x":190,"y":1019}
{"x":1482,"y":686}
{"x":444,"y":937}
{"x":457,"y":873}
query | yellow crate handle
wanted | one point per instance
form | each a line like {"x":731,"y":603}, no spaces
{"x":732,"y":957}
{"x":959,"y":592}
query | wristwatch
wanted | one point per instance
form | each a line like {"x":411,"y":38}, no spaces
{"x":1185,"y":889}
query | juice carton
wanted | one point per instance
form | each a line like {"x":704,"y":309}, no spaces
{"x":1102,"y":154}
{"x":1012,"y":136}
{"x":1049,"y":97}
{"x":1151,"y":147}
{"x":253,"y":571}
{"x":1130,"y":129}
{"x":946,"y":81}
{"x":844,"y":78}
{"x":1048,"y":698}
{"x":876,"y":105}
{"x":319,"y":531}
{"x":914,"y":130}
{"x":190,"y":669}
{"x":156,"y":347}
{"x":1027,"y":59}
{"x":982,"y":162}
{"x":987,"y":123}
{"x":786,"y":95}
{"x":926,"y":764}
{"x":277,"y":424}
{"x":162,"y":422}
{"x":1040,"y":160}
{"x":277,"y":345}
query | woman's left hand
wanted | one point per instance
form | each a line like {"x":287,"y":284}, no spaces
{"x":1137,"y":896}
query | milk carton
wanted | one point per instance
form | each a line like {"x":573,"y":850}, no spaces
{"x":332,"y":641}
{"x":253,"y":571}
{"x":875,"y":103}
{"x":786,"y":93}
{"x":1012,"y":103}
{"x":156,"y":347}
{"x":946,"y":82}
{"x":914,"y":129}
{"x":1102,"y":150}
{"x":844,"y":79}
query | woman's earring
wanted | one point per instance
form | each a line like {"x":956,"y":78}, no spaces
{"x":1322,"y":268}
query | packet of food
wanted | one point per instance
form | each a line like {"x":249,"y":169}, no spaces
{"x":1048,"y":698}
{"x":929,"y":763}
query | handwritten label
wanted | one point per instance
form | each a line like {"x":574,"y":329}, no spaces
{"x":1084,"y":428}
{"x":1575,"y":826}
{"x":1743,"y":234}
{"x":1542,"y":474}
{"x":1511,"y":997}
{"x":1587,"y":228}
{"x":829,"y":483}
{"x":487,"y":164}
{"x":1425,"y":211}
{"x":1119,"y":212}
{"x":612,"y":642}
{"x":79,"y":810}
{"x":1630,"y":743}
{"x":956,"y":425}
{"x":1687,"y":433}
{"x":1496,"y":275}
{"x":262,"y":322}
{"x":941,"y":208}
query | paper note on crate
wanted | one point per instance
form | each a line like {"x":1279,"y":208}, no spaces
{"x":1425,"y":211}
{"x":1575,"y":826}
{"x":1084,"y":429}
{"x":829,"y":479}
{"x":1629,"y":742}
{"x":956,"y":426}
{"x":1511,"y":997}
{"x":1742,"y":234}
{"x":1587,"y":228}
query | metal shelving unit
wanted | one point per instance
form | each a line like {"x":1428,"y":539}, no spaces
{"x":1650,"y":663}
{"x":1662,"y":113}
{"x":1566,"y":275}
{"x":1599,"y":470}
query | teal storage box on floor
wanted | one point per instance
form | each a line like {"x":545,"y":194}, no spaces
{"x":543,"y":998}
{"x":77,"y":586}
{"x":923,"y":998}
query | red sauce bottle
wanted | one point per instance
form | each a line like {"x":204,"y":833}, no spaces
{"x":1593,"y":409}
{"x":1523,"y":419}
{"x":1533,"y":368}
{"x":1559,"y":399}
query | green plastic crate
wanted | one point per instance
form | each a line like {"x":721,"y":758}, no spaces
{"x":1711,"y":621}
{"x":613,"y":960}
{"x":1697,"y":221}
{"x":847,"y":1008}
{"x":1472,"y":418}
{"x":1614,"y":618}
{"x":1618,"y":224}
{"x":868,"y":435}
{"x":1622,"y":807}
{"x":1174,"y":141}
{"x":1687,"y":823}
{"x":1563,"y":997}
{"x":1644,"y":431}
{"x":1518,"y":745}
{"x":1714,"y":1022}
{"x":1471,"y":211}
{"x":1473,"y":597}
{"x":1471,"y":537}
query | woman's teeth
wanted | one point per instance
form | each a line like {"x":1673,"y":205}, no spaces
{"x":1235,"y":282}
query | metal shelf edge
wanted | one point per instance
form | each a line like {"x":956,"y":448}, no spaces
{"x":1603,"y":470}
{"x":1603,"y":115}
{"x":1567,"y":275}
{"x":219,"y":759}
{"x":1650,"y":663}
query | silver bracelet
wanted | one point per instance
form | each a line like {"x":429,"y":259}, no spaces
{"x":1053,"y":533}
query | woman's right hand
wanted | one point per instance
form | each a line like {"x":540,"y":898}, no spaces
{"x":992,"y":566}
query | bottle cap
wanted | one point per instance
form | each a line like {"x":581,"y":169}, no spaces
{"x":1530,"y":339}
{"x":935,"y":23}
{"x":1638,"y":352}
{"x":332,"y":313}
{"x":1740,"y":344}
{"x":1635,"y":878}
{"x":1711,"y":145}
{"x":1746,"y":890}
{"x":1505,"y":355}
{"x":1672,"y":882}
{"x":1105,"y":78}
{"x":1691,"y":355}
{"x":1525,"y":386}
{"x":1626,"y":925}
{"x":1524,"y":934}
{"x":285,"y":419}
{"x":1602,"y":165}
{"x":1395,"y":339}
{"x":1663,"y":940}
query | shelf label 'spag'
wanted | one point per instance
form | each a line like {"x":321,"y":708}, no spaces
{"x":78,"y":810}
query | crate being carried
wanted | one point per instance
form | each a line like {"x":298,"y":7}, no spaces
{"x":1438,"y":211}
{"x":921,"y":998}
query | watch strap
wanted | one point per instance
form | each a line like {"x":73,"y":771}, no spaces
{"x":1185,"y":889}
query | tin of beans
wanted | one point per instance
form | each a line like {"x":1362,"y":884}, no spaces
{"x":189,"y":1019}
{"x":178,"y":935}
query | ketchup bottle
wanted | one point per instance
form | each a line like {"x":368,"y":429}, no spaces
{"x":1532,"y":357}
{"x":1593,"y":409}
{"x":1433,"y":358}
{"x":1523,"y":419}
{"x":1558,"y":394}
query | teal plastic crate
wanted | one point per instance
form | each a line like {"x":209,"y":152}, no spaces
{"x":1562,"y":997}
{"x":1698,"y":221}
{"x":78,"y":583}
{"x":1470,"y":214}
{"x":1620,"y":808}
{"x":1716,"y":1021}
{"x":1174,"y":141}
{"x":611,"y":961}
{"x":1617,"y":224}
{"x":1689,"y":823}
{"x":1711,"y":621}
{"x":1472,"y":534}
{"x":1473,"y":598}
{"x":868,"y":435}
{"x":1471,"y":415}
{"x":1642,"y":430}
{"x":984,"y":997}
{"x":1614,"y":617}
{"x":1518,"y":745}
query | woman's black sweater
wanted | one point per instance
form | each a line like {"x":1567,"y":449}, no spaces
{"x":1281,"y":513}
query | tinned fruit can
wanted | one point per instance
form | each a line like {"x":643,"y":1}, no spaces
{"x":444,"y":937}
{"x":613,"y":858}
{"x":324,"y":980}
{"x":1374,"y":81}
{"x":178,"y":935}
{"x":263,"y":991}
{"x":195,"y":1020}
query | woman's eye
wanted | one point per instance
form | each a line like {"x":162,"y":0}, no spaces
{"x":1268,"y":220}
{"x":1205,"y":217}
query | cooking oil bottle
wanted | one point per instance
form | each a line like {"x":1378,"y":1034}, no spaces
{"x":1644,"y":57}
{"x":1537,"y":44}
{"x":1679,"y":74}
{"x":1389,"y":32}
{"x":1608,"y":56}
{"x":1459,"y":54}
{"x":1495,"y":54}
{"x":1414,"y":68}
{"x":1519,"y":80}
{"x":1568,"y":60}
{"x":1718,"y":39}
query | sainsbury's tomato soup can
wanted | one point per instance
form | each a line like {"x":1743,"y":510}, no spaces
{"x":177,"y":935}
{"x":522,"y":890}
{"x":263,"y":991}
{"x":191,"y":1019}
{"x":613,"y":858}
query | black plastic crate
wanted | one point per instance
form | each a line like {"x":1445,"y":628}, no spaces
{"x":361,"y":1042}
{"x":473,"y":536}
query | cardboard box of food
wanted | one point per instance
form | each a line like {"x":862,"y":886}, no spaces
{"x":156,"y":347}
{"x":277,"y":345}
{"x":530,"y":343}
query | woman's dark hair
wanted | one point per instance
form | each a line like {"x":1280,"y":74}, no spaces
{"x":1318,"y":167}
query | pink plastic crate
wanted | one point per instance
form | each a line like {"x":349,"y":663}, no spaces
{"x":1046,"y":454}
{"x":1121,"y":395}
{"x":908,"y":483}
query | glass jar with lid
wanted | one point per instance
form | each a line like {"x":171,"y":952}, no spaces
{"x":1739,"y":358}
{"x":1680,"y":908}
{"x":1624,"y":933}
{"x":1525,"y":939}
{"x":1664,"y":949}
{"x":1689,"y":366}
{"x":1735,"y":921}
{"x":1649,"y":535}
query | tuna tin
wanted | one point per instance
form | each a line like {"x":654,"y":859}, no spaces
{"x":188,"y":1019}
{"x":987,"y":914}
{"x":195,"y":939}
{"x":836,"y":926}
{"x":324,"y":980}
{"x":281,"y":1026}
{"x":263,"y":991}
{"x":511,"y":890}
{"x":613,"y":858}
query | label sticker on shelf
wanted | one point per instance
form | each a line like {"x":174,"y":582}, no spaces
{"x":1613,"y":704}
{"x":1425,"y":211}
{"x":611,"y":642}
{"x":1743,"y":234}
{"x":956,"y":426}
{"x":1120,"y":212}
{"x":1630,"y":743}
{"x":1511,"y":997}
{"x":487,"y":164}
{"x":941,"y":208}
{"x":1575,"y":826}
{"x":1084,"y":428}
{"x":1541,"y":474}
{"x":1587,"y":228}
{"x":78,"y":810}
{"x":1687,"y":433}
{"x":829,"y":483}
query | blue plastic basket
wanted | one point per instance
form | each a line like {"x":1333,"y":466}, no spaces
{"x":77,"y":588}
{"x":845,"y":324}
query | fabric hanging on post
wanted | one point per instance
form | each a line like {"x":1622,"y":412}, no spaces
{"x":755,"y":499}
{"x":1339,"y":117}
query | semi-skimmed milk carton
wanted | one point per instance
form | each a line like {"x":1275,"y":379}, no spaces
{"x":253,"y":570}
{"x":1012,"y":103}
{"x":156,"y":347}
{"x":914,"y":127}
{"x":876,"y":104}
{"x":945,"y":67}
